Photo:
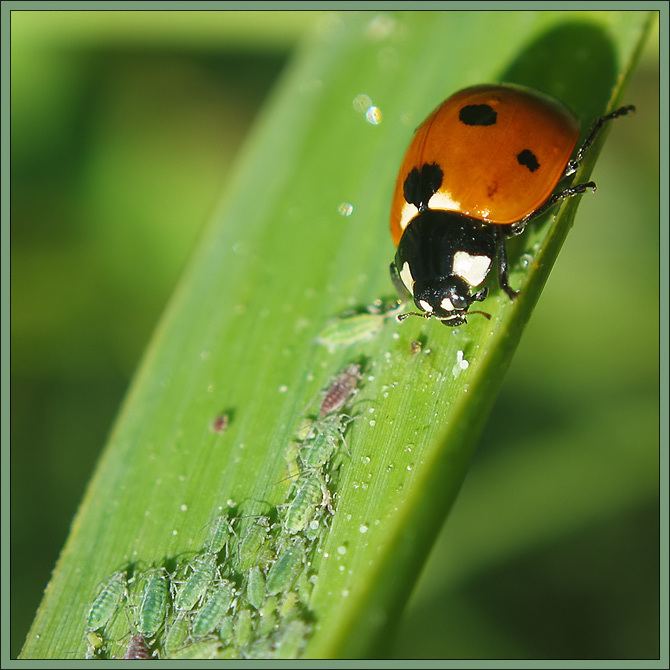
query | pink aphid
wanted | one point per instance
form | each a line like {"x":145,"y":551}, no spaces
{"x":138,"y":649}
{"x":343,"y":386}
{"x":221,"y":423}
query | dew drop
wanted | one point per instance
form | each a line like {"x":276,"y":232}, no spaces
{"x":345,"y":208}
{"x":526,"y":260}
{"x":373,"y":115}
{"x":361,"y":103}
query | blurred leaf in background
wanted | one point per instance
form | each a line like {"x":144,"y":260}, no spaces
{"x":124,"y":127}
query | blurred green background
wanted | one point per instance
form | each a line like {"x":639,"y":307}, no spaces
{"x":125,"y":127}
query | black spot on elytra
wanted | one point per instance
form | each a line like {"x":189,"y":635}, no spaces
{"x":478,"y":115}
{"x":528,"y":159}
{"x":419,"y":186}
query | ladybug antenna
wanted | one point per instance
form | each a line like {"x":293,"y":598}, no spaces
{"x":424,"y":315}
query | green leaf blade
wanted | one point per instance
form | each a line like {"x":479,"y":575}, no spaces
{"x":239,"y":336}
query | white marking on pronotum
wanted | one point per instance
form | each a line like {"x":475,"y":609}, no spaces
{"x":407,"y":213}
{"x":406,"y":277}
{"x":471,"y":268}
{"x":426,"y":306}
{"x":444,"y":200}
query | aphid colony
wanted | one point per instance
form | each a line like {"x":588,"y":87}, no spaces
{"x":246,"y":593}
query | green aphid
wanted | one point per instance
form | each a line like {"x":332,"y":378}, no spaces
{"x":228,"y":653}
{"x":243,"y":629}
{"x":347,"y":330}
{"x":290,"y":606}
{"x":153,"y":606}
{"x":285,"y":569}
{"x":311,"y":493}
{"x":210,"y":615}
{"x":305,"y":587}
{"x":352,"y":328}
{"x":304,"y":429}
{"x":267,"y":617}
{"x":220,"y":533}
{"x":194,"y":588}
{"x":177,"y":634}
{"x":292,"y":461}
{"x":107,"y":601}
{"x":94,"y":645}
{"x":322,"y":443}
{"x":250,"y":545}
{"x":290,"y":640}
{"x":255,"y":586}
{"x":209,"y":648}
{"x":226,"y":629}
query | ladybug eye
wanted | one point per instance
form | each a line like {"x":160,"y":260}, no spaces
{"x":457,"y":300}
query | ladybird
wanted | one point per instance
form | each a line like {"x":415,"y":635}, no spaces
{"x":487,"y":161}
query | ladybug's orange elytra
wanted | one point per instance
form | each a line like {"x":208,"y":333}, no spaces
{"x":502,"y":149}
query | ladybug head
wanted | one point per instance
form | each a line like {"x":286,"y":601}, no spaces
{"x":447,"y":299}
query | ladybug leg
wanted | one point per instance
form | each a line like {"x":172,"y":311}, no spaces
{"x":571,"y":168}
{"x":573,"y":164}
{"x":568,"y":192}
{"x":501,"y":259}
